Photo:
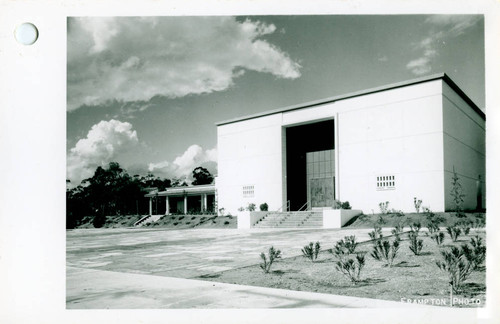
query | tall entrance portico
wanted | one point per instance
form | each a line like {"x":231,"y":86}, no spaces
{"x":310,"y":165}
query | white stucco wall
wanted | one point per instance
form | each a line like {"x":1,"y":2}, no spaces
{"x":249,"y":153}
{"x":464,"y":148}
{"x":397,"y":132}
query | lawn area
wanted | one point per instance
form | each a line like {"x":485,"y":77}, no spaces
{"x":411,"y":277}
{"x":393,"y":219}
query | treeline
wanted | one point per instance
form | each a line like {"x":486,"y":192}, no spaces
{"x":112,"y":191}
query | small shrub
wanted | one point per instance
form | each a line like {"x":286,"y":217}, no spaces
{"x":264,"y":207}
{"x":99,"y":221}
{"x":397,"y":230}
{"x":415,"y":227}
{"x":477,"y":254}
{"x":311,"y":251}
{"x":175,"y":224}
{"x":222,"y":211}
{"x":456,"y":266}
{"x":454,"y":232}
{"x":381,"y":220}
{"x":347,"y":244}
{"x":396,"y":212}
{"x":464,"y":226}
{"x":267,"y":262}
{"x":385,"y":251}
{"x":432,"y":228}
{"x":416,"y":245}
{"x":241,"y":209}
{"x":181,"y":218}
{"x":457,"y":194}
{"x":376,"y":233}
{"x":384,"y":207}
{"x":337,"y":204}
{"x":479,"y":223}
{"x":251,"y":207}
{"x":346,"y":205}
{"x":187,"y":223}
{"x":351,"y":268}
{"x":226,"y":223}
{"x":417,"y":203}
{"x":438,"y":237}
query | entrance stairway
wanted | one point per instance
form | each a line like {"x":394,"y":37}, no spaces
{"x":292,"y":219}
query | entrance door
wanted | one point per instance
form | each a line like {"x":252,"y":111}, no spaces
{"x":320,"y":178}
{"x":321,"y":191}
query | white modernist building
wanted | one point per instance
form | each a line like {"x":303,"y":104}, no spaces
{"x":391,"y":143}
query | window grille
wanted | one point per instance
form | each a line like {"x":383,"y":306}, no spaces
{"x":248,"y":191}
{"x":386,"y":182}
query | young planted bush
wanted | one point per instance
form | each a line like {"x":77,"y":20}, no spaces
{"x":415,"y":227}
{"x":311,"y":251}
{"x":348,"y":244}
{"x":454,"y":232}
{"x":397,"y":230}
{"x":384,"y":207}
{"x":475,"y":255}
{"x":416,"y":245}
{"x":457,"y":194}
{"x":376,"y":233}
{"x":464,"y":227}
{"x":432,"y":228}
{"x":349,"y":267}
{"x":456,"y":266}
{"x":385,"y":251}
{"x":417,"y":203}
{"x":264,"y":207}
{"x":438,"y":237}
{"x":267,"y":262}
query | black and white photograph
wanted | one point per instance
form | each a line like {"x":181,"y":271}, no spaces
{"x":269,"y":162}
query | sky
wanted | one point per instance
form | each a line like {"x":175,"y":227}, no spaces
{"x":146,"y":92}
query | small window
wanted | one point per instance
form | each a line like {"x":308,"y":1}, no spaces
{"x":248,"y":191}
{"x":386,"y":182}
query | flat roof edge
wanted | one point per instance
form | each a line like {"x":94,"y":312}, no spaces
{"x":432,"y":77}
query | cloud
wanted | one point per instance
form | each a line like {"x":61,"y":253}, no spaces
{"x":134,"y":59}
{"x":442,"y":27}
{"x":102,"y":144}
{"x":183,"y":165}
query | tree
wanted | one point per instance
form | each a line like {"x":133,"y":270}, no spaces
{"x":202,"y":176}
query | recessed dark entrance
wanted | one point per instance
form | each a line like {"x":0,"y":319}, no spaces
{"x":310,"y":164}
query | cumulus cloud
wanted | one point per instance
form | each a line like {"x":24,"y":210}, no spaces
{"x":183,"y":165}
{"x":134,"y":59}
{"x":442,"y":27}
{"x":103,"y":142}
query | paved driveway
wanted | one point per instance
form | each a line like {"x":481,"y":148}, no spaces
{"x":188,"y":253}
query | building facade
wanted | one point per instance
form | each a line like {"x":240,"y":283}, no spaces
{"x":387,"y":144}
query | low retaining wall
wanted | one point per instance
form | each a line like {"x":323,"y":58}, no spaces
{"x":336,"y":218}
{"x":247,"y":219}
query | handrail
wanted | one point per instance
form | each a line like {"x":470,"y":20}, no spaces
{"x":304,"y":205}
{"x":287,"y":204}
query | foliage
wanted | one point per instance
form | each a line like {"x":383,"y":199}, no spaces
{"x":432,"y":218}
{"x":264,"y":207}
{"x":415,"y":227}
{"x":385,"y":251}
{"x":432,"y":228}
{"x":438,"y":237}
{"x":381,"y":220}
{"x":397,"y":230}
{"x":464,"y":226}
{"x":417,"y":204}
{"x":251,"y":207}
{"x":416,"y":245}
{"x":454,"y":232}
{"x":241,"y":209}
{"x":349,"y":267}
{"x":384,"y":207}
{"x":311,"y":251}
{"x":268,"y":261}
{"x":99,"y":221}
{"x":347,"y":244}
{"x":376,"y":233}
{"x":456,"y":266}
{"x":337,"y":204}
{"x":396,"y":212}
{"x":202,"y":176}
{"x":457,"y":194}
{"x":475,"y":255}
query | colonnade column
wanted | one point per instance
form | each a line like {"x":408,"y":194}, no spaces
{"x":185,"y":205}
{"x":204,"y":202}
{"x":150,"y":205}
{"x":167,"y":206}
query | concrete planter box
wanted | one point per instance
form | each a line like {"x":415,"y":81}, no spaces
{"x":336,"y":218}
{"x":247,"y":219}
